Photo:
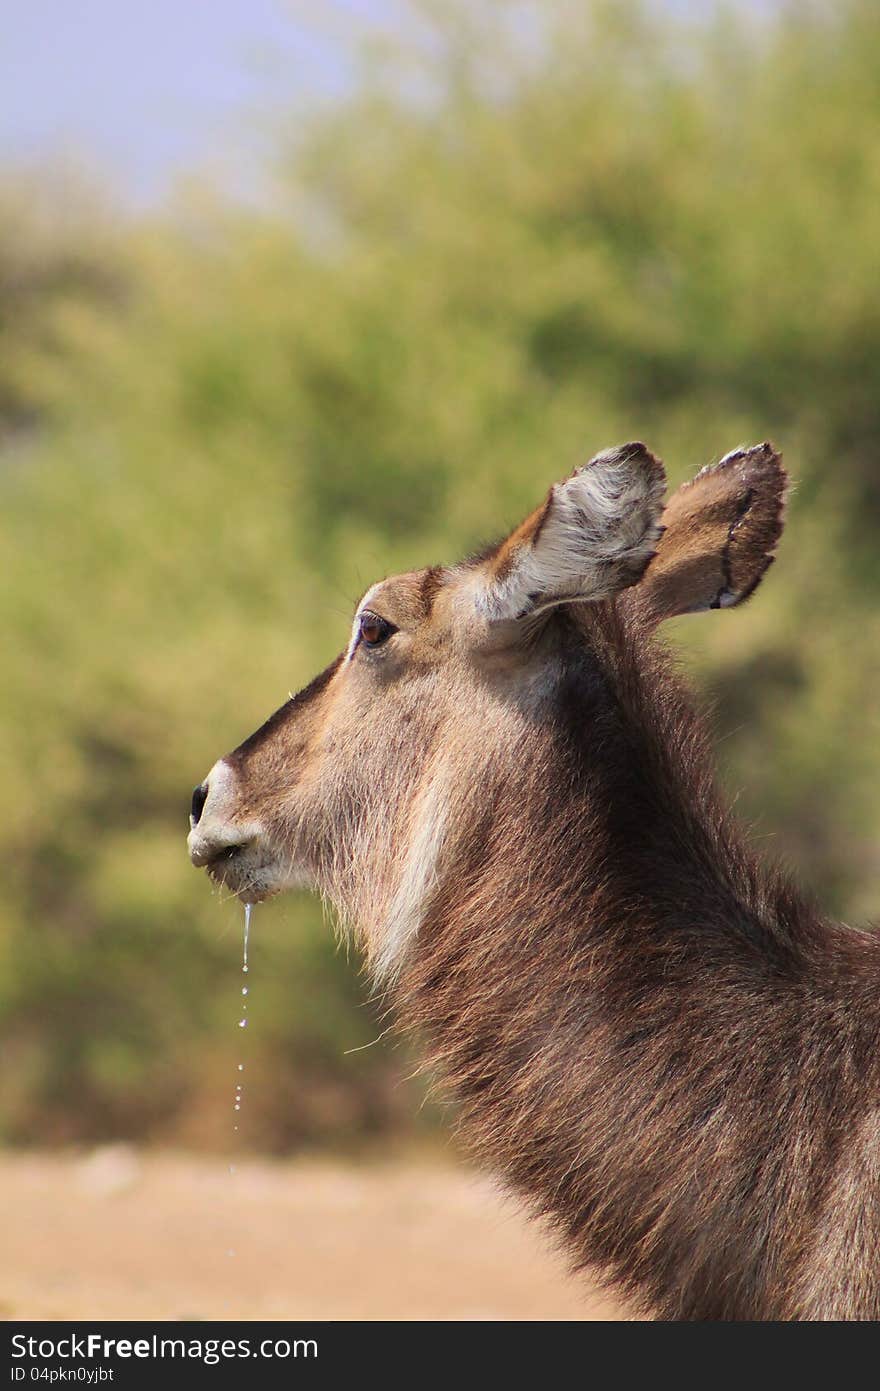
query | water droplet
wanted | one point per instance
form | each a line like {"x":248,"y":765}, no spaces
{"x":242,"y":1023}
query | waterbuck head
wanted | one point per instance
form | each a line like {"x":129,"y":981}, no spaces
{"x":442,"y":733}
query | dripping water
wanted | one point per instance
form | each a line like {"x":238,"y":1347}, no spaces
{"x":242,"y":1024}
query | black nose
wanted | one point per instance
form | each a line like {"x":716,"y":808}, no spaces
{"x":200,"y":797}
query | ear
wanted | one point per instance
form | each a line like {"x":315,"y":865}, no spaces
{"x":593,"y":536}
{"x":720,"y":531}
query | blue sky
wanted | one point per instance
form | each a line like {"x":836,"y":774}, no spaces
{"x":138,"y":91}
{"x":141,"y":91}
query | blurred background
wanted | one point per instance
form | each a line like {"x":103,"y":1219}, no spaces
{"x":296,"y":295}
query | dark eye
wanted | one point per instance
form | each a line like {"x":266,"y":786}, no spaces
{"x":375,"y":630}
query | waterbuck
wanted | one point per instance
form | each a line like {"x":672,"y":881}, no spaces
{"x":502,"y":788}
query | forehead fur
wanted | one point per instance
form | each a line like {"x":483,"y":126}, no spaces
{"x":405,"y":600}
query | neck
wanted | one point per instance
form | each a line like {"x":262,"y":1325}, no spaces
{"x":636,"y":1023}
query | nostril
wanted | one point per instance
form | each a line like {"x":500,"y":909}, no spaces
{"x":200,"y":797}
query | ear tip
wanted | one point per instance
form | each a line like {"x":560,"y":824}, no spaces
{"x":634,"y":452}
{"x":765,"y":458}
{"x":756,"y":467}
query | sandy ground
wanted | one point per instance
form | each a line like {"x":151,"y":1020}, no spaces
{"x":119,"y":1235}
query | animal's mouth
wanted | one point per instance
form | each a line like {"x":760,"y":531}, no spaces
{"x":226,"y":864}
{"x":240,"y":869}
{"x":240,"y":865}
{"x":227,"y":856}
{"x":237,"y":853}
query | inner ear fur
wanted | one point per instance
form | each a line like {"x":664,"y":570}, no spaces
{"x":720,"y":533}
{"x":593,"y":536}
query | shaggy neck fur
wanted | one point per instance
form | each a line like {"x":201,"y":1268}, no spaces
{"x":657,"y":1043}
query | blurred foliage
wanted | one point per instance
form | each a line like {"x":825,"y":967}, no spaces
{"x":532,"y":230}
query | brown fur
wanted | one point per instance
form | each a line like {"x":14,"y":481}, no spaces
{"x":650,"y":1035}
{"x":656,"y":1042}
{"x":724,"y":525}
